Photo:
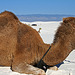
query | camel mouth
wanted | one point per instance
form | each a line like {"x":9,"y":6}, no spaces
{"x":42,"y":66}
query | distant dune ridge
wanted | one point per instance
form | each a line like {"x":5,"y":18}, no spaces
{"x":42,"y":17}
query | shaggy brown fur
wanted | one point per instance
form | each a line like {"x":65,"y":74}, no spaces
{"x":21,"y":46}
{"x":64,"y":42}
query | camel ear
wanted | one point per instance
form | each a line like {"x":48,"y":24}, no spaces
{"x":65,"y":20}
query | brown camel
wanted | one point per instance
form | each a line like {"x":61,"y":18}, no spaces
{"x":21,"y":46}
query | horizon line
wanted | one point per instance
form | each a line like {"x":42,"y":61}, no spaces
{"x":47,"y":14}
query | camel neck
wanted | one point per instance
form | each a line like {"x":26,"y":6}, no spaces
{"x":58,"y":52}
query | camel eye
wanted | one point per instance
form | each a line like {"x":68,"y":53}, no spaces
{"x":65,"y":21}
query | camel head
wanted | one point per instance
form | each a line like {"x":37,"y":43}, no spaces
{"x":66,"y":33}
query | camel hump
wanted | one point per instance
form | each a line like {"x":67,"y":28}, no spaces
{"x":7,"y":19}
{"x":7,"y":13}
{"x":3,"y":22}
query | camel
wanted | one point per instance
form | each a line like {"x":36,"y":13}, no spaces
{"x":21,"y":46}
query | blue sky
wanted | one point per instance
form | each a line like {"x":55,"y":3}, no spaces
{"x":23,"y":7}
